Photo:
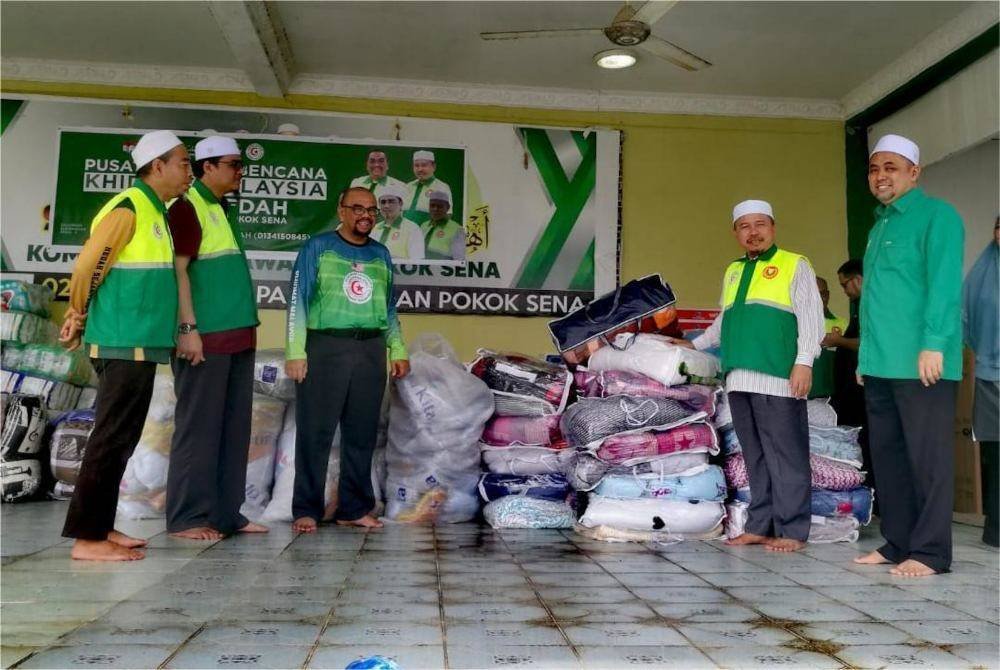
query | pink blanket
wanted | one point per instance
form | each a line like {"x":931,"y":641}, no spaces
{"x":619,"y":448}
{"x":826,"y":473}
{"x":502,"y":431}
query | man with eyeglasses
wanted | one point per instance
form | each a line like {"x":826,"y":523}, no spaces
{"x":341,"y":319}
{"x":399,"y":234}
{"x":213,"y":364}
{"x":377,"y":179}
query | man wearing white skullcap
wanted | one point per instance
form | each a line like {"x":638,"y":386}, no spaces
{"x":444,"y":238}
{"x":123,"y":301}
{"x":910,"y":359}
{"x":377,"y":179}
{"x":419,"y":190}
{"x":289,"y":129}
{"x":213,"y":366}
{"x":770,"y":330}
{"x":401,"y":236}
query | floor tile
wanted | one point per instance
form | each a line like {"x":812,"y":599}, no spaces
{"x":385,"y":633}
{"x":704,"y":612}
{"x":137,"y":633}
{"x":811,"y":611}
{"x":683,"y":594}
{"x":868,"y":592}
{"x":503,"y":634}
{"x":497,"y":612}
{"x":648,"y":656}
{"x":908,"y":611}
{"x":734,"y":634}
{"x":899,"y":656}
{"x":35,"y":634}
{"x":489,"y":594}
{"x":727,"y":579}
{"x":9,"y":655}
{"x":239,"y":656}
{"x":285,"y":610}
{"x":776,"y":594}
{"x":639,"y":581}
{"x":848,"y":633}
{"x":555,"y":579}
{"x":952,"y":632}
{"x":584,"y":594}
{"x":99,"y":656}
{"x":463,"y":580}
{"x":979,"y":655}
{"x":395,"y":611}
{"x":623,"y":634}
{"x":768,"y":657}
{"x":259,"y":633}
{"x":386,"y":594}
{"x":549,"y":658}
{"x":410,"y":657}
{"x":825,"y":579}
{"x":594,"y":613}
{"x":977,"y":608}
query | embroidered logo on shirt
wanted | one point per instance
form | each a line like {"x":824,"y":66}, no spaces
{"x":770,"y":272}
{"x":157,"y":232}
{"x":395,"y":235}
{"x":358,"y":287}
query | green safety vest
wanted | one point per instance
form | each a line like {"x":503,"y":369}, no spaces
{"x":395,"y":236}
{"x":759,"y":328}
{"x":136,"y":305}
{"x":221,"y":288}
{"x":438,"y":238}
{"x":822,"y":385}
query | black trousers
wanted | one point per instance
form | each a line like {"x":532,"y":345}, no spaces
{"x":912,"y":444}
{"x":123,"y":393}
{"x":206,"y":483}
{"x":344,"y":383}
{"x":774,"y":434}
{"x":989,"y":463}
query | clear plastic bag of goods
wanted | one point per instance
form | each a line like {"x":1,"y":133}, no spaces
{"x":143,"y":489}
{"x":518,"y":511}
{"x":549,"y":486}
{"x":269,"y":376}
{"x":705,"y":482}
{"x":62,"y":491}
{"x":69,"y":440}
{"x":656,"y":357}
{"x":21,"y":468}
{"x":541,"y":431}
{"x":57,"y":396}
{"x":822,"y":530}
{"x":511,"y":404}
{"x":621,"y":448}
{"x":856,"y":502}
{"x":279,"y":507}
{"x":21,"y":480}
{"x":515,"y":460}
{"x":607,"y":383}
{"x":729,"y":441}
{"x":723,"y":418}
{"x":838,"y":443}
{"x":826,"y":473}
{"x":87,"y":399}
{"x":821,"y":412}
{"x":670,"y":516}
{"x":265,"y":426}
{"x":589,"y":421}
{"x":27,"y":328}
{"x":436,"y":416}
{"x":587,"y":470}
{"x":20,"y":296}
{"x":616,"y":534}
{"x":522,"y":375}
{"x":53,"y":362}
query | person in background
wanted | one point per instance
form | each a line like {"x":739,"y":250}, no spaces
{"x":418,"y":203}
{"x":402,"y":237}
{"x":823,"y":369}
{"x":910,"y":360}
{"x":123,"y":301}
{"x":213,"y":365}
{"x":444,"y":238}
{"x":377,"y":178}
{"x":982,"y":334}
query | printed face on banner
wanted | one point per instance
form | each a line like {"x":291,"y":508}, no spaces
{"x":377,"y":165}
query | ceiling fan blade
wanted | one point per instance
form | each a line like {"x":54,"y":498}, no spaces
{"x":653,"y":11}
{"x":673,"y":53}
{"x":531,"y":34}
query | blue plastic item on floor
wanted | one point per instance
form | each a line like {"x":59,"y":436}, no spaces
{"x":374,"y":663}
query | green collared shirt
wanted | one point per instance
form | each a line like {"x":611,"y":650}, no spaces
{"x":151,"y":194}
{"x":912,"y":295}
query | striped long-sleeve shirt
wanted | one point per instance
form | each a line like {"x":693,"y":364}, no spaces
{"x":808,"y":309}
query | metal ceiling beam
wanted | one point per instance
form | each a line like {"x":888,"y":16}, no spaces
{"x":257,"y":39}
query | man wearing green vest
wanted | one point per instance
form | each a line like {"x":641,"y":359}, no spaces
{"x":213,"y":367}
{"x":402,"y":237}
{"x":770,"y":328}
{"x":911,"y":359}
{"x":123,"y":299}
{"x":377,"y":179}
{"x":833,"y":325}
{"x":444,"y":238}
{"x":418,"y":203}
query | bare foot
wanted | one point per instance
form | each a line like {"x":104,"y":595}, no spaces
{"x":873,"y":558}
{"x":912,"y":568}
{"x":252,"y":527}
{"x":198,"y":533}
{"x":103,"y":550}
{"x":746,"y":538}
{"x":304,"y":524}
{"x":124,"y":540}
{"x":367,"y":521}
{"x":783,"y":544}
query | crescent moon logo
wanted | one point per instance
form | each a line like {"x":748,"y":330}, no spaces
{"x":358,"y":287}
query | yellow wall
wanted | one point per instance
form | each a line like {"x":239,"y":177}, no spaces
{"x":682,"y":175}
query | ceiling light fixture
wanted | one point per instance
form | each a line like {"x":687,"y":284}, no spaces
{"x":614,"y":59}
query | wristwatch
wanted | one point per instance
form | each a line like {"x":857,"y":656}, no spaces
{"x":186,"y":328}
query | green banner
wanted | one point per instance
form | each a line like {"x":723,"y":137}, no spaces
{"x":289,"y":190}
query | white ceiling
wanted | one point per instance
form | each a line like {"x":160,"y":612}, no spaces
{"x":803,"y":50}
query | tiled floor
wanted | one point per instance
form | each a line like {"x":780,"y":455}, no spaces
{"x":468,"y":597}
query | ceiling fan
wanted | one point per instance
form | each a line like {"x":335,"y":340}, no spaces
{"x":629,"y":28}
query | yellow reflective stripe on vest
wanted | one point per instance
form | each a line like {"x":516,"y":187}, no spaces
{"x":216,"y":233}
{"x":771,"y":284}
{"x":151,"y":245}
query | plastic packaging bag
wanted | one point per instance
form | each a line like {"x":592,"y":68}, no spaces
{"x":265,"y":427}
{"x":587,"y":469}
{"x":839,"y":443}
{"x":826,"y":474}
{"x":57,"y":396}
{"x":516,"y":460}
{"x":548,"y":487}
{"x":620,"y":448}
{"x":19,"y":296}
{"x":27,"y":328}
{"x":436,"y":415}
{"x":69,"y":440}
{"x":21,"y":470}
{"x":654,"y":356}
{"x":51,"y":362}
{"x":856,"y":502}
{"x":590,"y":420}
{"x":522,"y":375}
{"x":542,"y":431}
{"x":822,"y":530}
{"x":279,"y":507}
{"x":705,"y":482}
{"x":669,"y":516}
{"x":143,"y":489}
{"x":269,"y":376}
{"x":527,"y":512}
{"x":821,"y":413}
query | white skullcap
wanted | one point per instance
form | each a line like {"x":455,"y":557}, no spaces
{"x":288,"y":129}
{"x":423,"y":155}
{"x":898,"y":144}
{"x":393,"y":191}
{"x":153,"y":145}
{"x":752,"y":207}
{"x":439,"y":195}
{"x":215,"y":146}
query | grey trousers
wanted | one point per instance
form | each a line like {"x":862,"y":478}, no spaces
{"x":206,"y":483}
{"x":344,"y":383}
{"x":912,"y":442}
{"x":774,"y":434}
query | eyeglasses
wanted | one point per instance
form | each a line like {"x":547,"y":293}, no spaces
{"x":361,"y":209}
{"x":236,"y":165}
